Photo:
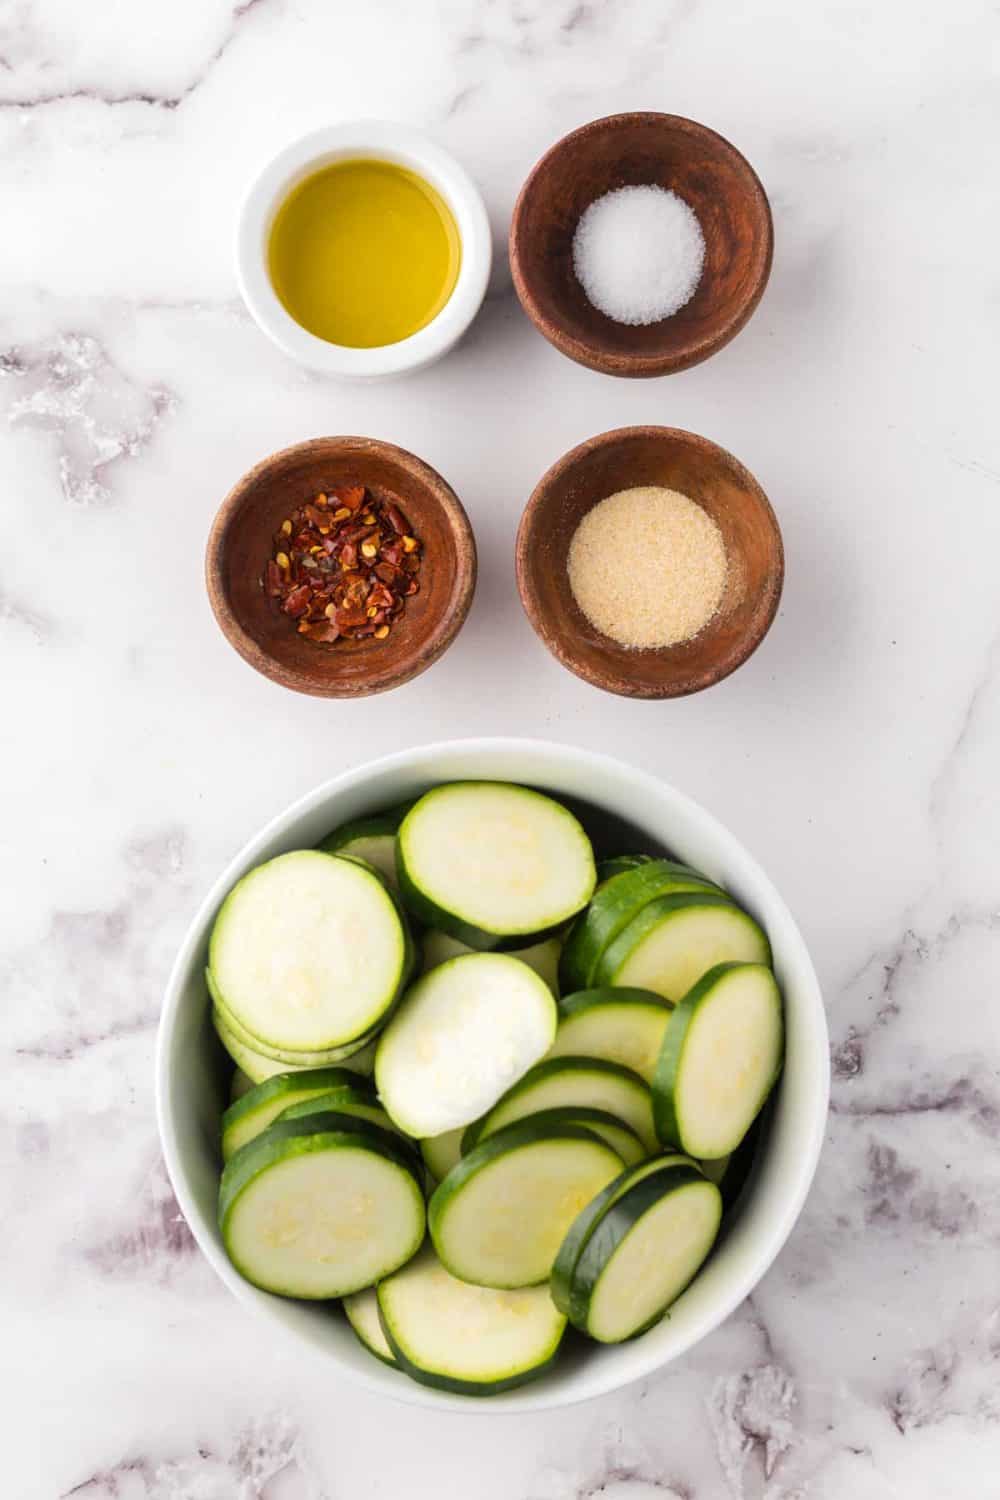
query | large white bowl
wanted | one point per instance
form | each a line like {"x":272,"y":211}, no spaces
{"x":627,"y":809}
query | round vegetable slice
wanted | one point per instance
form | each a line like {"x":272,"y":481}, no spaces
{"x":579,"y":1232}
{"x":587,"y":1082}
{"x":500,"y":1215}
{"x":619,"y":862}
{"x":441,"y":1152}
{"x":623,"y":1026}
{"x":309,"y":952}
{"x":264,"y":1102}
{"x":674,"y":940}
{"x":493,"y":865}
{"x":320,"y":1207}
{"x":462,"y":1035}
{"x":470,"y":1339}
{"x":644,"y":1250}
{"x":619,"y":1136}
{"x":543,"y":957}
{"x":357,"y":1101}
{"x":294,"y":1059}
{"x":619,"y":899}
{"x":362,"y":1314}
{"x":255,"y":1065}
{"x":372,"y":839}
{"x":721,"y":1056}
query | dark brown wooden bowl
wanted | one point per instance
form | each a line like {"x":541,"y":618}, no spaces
{"x":241,"y":541}
{"x":708,"y":474}
{"x":632,"y":150}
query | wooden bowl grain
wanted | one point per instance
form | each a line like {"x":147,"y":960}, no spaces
{"x":632,"y":150}
{"x":628,"y":457}
{"x":241,"y":541}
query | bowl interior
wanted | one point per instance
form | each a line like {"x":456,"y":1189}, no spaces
{"x":242,"y":541}
{"x":730,"y":495}
{"x":622,"y":807}
{"x":635,"y":150}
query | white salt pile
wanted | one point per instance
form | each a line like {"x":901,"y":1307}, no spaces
{"x":638,"y":253}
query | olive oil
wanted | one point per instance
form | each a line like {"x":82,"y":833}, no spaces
{"x":364,"y":253}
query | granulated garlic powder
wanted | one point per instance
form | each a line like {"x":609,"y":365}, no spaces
{"x":647,"y":567}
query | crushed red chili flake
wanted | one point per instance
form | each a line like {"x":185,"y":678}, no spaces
{"x":343,"y":565}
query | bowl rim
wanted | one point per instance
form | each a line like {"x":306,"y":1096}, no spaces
{"x":795,"y":1187}
{"x":563,"y":651}
{"x":453,"y":615}
{"x":388,"y":141}
{"x":639,"y":363}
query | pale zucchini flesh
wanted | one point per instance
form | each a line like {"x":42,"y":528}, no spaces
{"x":676,"y":939}
{"x":253,"y":1064}
{"x":721,"y":1055}
{"x":463,"y":1034}
{"x":491,"y":863}
{"x":623,"y":1025}
{"x":294,"y":1059}
{"x":543,"y":957}
{"x":262,"y":1103}
{"x":441,"y":1152}
{"x":361,"y":1309}
{"x":500,"y":1215}
{"x":469,"y":1339}
{"x":312,"y":1211}
{"x":309,"y":952}
{"x":590,"y":1082}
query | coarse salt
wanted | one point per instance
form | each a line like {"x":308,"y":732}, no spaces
{"x":647,"y":566}
{"x":638,"y":253}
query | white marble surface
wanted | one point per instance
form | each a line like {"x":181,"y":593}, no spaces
{"x":856,"y":753}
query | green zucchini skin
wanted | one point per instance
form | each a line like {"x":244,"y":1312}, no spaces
{"x":292,"y":1086}
{"x":619,"y":863}
{"x":590,"y":1118}
{"x":583,"y":1000}
{"x":611,"y":1229}
{"x":235,"y":1028}
{"x":357,"y":1328}
{"x":613,"y":906}
{"x":441,"y":1382}
{"x":618,"y":951}
{"x":549,"y":1067}
{"x":668,"y":1126}
{"x":372,"y":825}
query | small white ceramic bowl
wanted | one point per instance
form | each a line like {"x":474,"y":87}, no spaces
{"x":387,"y":142}
{"x":626,"y":808}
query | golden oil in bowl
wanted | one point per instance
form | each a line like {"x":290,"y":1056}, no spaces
{"x":364,"y":253}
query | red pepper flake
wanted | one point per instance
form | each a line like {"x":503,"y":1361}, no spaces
{"x":343,"y":565}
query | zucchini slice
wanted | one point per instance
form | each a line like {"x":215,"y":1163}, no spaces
{"x":620,"y":898}
{"x":320,"y":1207}
{"x":255,"y":1065}
{"x":646,"y":1247}
{"x":543,"y":957}
{"x":362,"y":1314}
{"x":254,"y":1112}
{"x":623,"y":1026}
{"x":357,"y":1101}
{"x":470,"y":1339}
{"x":441,"y":1152}
{"x":674,"y":940}
{"x":579,"y":1232}
{"x":493,"y":865}
{"x":500,"y":1215}
{"x":619,"y":1136}
{"x":309,"y":952}
{"x":294,"y":1059}
{"x":721,"y":1056}
{"x":619,"y":862}
{"x":464,"y":1033}
{"x":587,"y":1082}
{"x":372,"y":839}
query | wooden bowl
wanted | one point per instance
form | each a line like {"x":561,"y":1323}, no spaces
{"x":678,"y":460}
{"x":632,"y":150}
{"x":241,"y":541}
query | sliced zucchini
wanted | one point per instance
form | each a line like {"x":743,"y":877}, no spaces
{"x":493,"y":865}
{"x":372,"y":839}
{"x":361,"y":1062}
{"x":470,"y":1339}
{"x":255,"y":1065}
{"x":441,"y":1152}
{"x":579,"y":1232}
{"x":500,"y":1215}
{"x":309,"y":952}
{"x":721,"y":1056}
{"x":251,"y":1114}
{"x":543,"y":957}
{"x":357,"y":1101}
{"x":588,"y":1082}
{"x":294,"y":1059}
{"x":608,"y":867}
{"x":619,"y":1136}
{"x":239,"y":1085}
{"x":464,"y":1033}
{"x":674,"y":940}
{"x":320,"y":1207}
{"x":623,"y":1026}
{"x":646,"y":1247}
{"x":362,"y":1314}
{"x":614,"y":905}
